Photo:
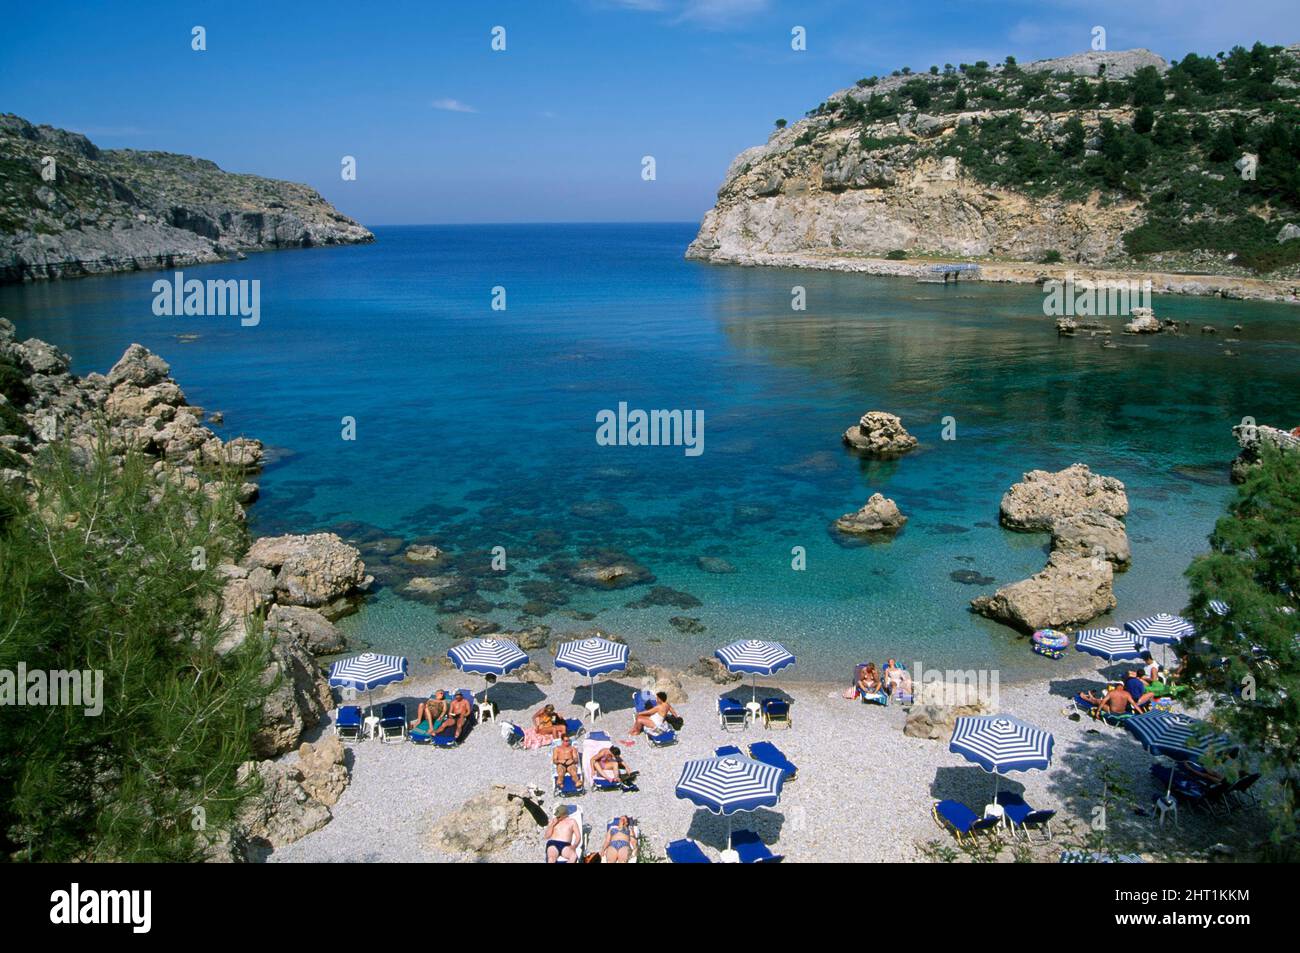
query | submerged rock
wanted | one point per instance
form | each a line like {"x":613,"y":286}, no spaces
{"x":1069,"y":590}
{"x":878,"y":516}
{"x":687,"y":624}
{"x":1042,"y":497}
{"x":608,"y":574}
{"x":970,"y":577}
{"x":880,"y":435}
{"x":714,"y":564}
{"x":665,"y":596}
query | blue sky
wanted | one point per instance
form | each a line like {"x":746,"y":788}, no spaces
{"x":554,"y":128}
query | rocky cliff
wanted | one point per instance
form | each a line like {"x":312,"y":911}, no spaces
{"x":69,"y":208}
{"x":1110,"y":159}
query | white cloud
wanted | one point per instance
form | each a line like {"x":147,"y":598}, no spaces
{"x":719,"y":13}
{"x":452,"y":106}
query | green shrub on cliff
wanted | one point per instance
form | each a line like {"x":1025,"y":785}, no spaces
{"x":97,"y":574}
{"x":1251,"y":663}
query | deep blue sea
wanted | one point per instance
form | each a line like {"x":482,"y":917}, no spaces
{"x":475,"y":428}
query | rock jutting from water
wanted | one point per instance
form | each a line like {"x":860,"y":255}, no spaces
{"x":879,"y":434}
{"x":1035,"y":503}
{"x":1069,"y":590}
{"x":879,"y":516}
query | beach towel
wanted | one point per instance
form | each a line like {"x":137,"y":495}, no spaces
{"x":534,"y":739}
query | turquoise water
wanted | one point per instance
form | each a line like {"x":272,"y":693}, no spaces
{"x":476,"y":428}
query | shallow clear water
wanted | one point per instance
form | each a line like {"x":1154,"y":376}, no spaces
{"x":476,"y":428}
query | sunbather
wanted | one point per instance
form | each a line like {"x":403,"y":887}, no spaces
{"x":868,"y":680}
{"x":549,"y":723}
{"x":652,"y":717}
{"x":565,"y":760}
{"x":562,"y":837}
{"x":618,"y":841}
{"x":431,"y":713}
{"x":1139,"y":689}
{"x":608,"y":765}
{"x":458,"y":715}
{"x":1117,"y":701}
{"x":896,"y":678}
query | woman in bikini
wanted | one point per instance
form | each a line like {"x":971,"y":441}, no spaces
{"x":868,"y":680}
{"x":434,"y":711}
{"x":618,"y":841}
{"x":547,"y":722}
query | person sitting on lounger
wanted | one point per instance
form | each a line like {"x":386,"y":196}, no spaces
{"x":565,"y":760}
{"x":652,"y":717}
{"x":549,"y":723}
{"x":433,"y":711}
{"x":609,"y":765}
{"x":618,"y":841}
{"x":1117,"y":701}
{"x":562,"y":837}
{"x":896,"y":678}
{"x":868,"y":680}
{"x":1138,"y":688}
{"x":457,"y":718}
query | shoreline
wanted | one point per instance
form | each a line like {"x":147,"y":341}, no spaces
{"x":1230,"y":287}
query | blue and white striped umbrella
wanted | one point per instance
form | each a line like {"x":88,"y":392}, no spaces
{"x":487,"y":656}
{"x":999,"y":743}
{"x":368,"y":671}
{"x":1111,"y":643}
{"x":756,"y":657}
{"x":1219,"y":607}
{"x":1175,"y":735}
{"x":1161,"y":629}
{"x":592,"y":657}
{"x":730,"y":785}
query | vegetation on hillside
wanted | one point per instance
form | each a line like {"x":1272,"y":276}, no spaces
{"x":97,"y":573}
{"x":1250,"y":658}
{"x":1175,"y":142}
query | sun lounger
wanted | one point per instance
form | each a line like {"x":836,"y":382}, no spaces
{"x":418,"y":737}
{"x":392,"y":722}
{"x":1021,"y":817}
{"x":1194,"y":791}
{"x":1243,"y":789}
{"x":776,"y":713}
{"x":726,"y":751}
{"x":962,"y":821}
{"x":873,"y":698}
{"x":686,"y":852}
{"x":769,"y":753}
{"x":661,"y":739}
{"x":347,"y":725}
{"x":731,"y":714}
{"x":574,"y":727}
{"x":752,"y":850}
{"x":566,"y":787}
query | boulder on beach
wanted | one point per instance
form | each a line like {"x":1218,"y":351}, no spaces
{"x":709,"y":667}
{"x":488,"y":822}
{"x":294,"y":798}
{"x":1069,"y":590}
{"x":878,"y":516}
{"x":935,"y":722}
{"x":1042,"y":497}
{"x":879,"y":434}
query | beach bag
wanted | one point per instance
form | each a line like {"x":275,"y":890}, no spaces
{"x":675,"y":722}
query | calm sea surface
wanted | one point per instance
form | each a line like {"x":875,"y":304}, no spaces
{"x":475,"y":428}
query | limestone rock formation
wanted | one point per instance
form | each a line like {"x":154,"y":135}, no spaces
{"x":1144,"y":322}
{"x":1041,"y":498}
{"x":320,"y":635}
{"x":1252,"y":437}
{"x":314,"y":571}
{"x":1069,"y":590}
{"x":935,"y":722}
{"x":296,"y":797}
{"x":299,"y":699}
{"x":879,"y":516}
{"x":123,"y":210}
{"x":879,"y":434}
{"x":709,"y":667}
{"x":1092,"y":534}
{"x":488,"y":822}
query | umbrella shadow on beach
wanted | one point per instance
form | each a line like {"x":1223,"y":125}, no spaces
{"x":516,"y":696}
{"x":611,"y":695}
{"x":1068,"y":688}
{"x":970,"y":785}
{"x":711,"y":829}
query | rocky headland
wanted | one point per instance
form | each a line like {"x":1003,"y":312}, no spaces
{"x":69,"y":208}
{"x":1010,"y":167}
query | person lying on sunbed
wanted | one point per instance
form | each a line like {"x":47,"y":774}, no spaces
{"x":453,"y":726}
{"x":618,"y":841}
{"x":431,"y":713}
{"x":565,"y":759}
{"x":549,"y":723}
{"x":562,"y":836}
{"x":1117,"y":701}
{"x":608,"y":764}
{"x":896,"y":678}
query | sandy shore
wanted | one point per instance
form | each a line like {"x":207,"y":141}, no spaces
{"x":863,"y":793}
{"x":1223,"y":286}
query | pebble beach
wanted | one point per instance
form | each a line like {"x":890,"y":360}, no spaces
{"x":864,"y":789}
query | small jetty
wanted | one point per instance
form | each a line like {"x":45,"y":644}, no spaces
{"x":942,"y":274}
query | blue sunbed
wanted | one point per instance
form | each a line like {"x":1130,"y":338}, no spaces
{"x":769,"y":753}
{"x":686,"y":852}
{"x":752,"y":850}
{"x":961,"y":820}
